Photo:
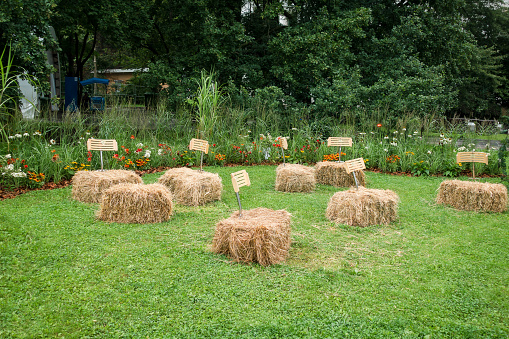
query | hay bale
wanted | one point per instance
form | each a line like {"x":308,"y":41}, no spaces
{"x":192,"y":188}
{"x":363,"y":207}
{"x":136,"y":203}
{"x":88,"y":186}
{"x":473,"y":196}
{"x":334,"y":173}
{"x":295,"y":178}
{"x":261,"y":235}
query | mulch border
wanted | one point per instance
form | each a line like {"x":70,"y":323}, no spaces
{"x":10,"y":194}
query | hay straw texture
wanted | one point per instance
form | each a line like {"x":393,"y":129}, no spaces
{"x":363,"y":207}
{"x":295,"y":178}
{"x":192,"y":188}
{"x":473,"y":196}
{"x":88,"y":186}
{"x":261,"y":235}
{"x":136,"y":204}
{"x":334,"y":173}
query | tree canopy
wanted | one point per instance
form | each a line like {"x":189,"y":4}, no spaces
{"x":448,"y":56}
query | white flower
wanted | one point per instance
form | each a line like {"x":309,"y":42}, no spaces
{"x":394,"y":139}
{"x":470,"y":145}
{"x":7,"y":156}
{"x":441,"y":135}
{"x":394,"y":144}
{"x":17,"y":135}
{"x":416,"y":132}
{"x":52,"y":142}
{"x":386,"y":137}
{"x":362,"y":133}
{"x":461,"y":149}
{"x":493,"y":148}
{"x":395,"y":132}
{"x":372,"y":132}
{"x":87,"y":133}
{"x":386,"y":150}
{"x":487,"y":154}
{"x":37,"y":133}
{"x":81,"y":138}
{"x":11,"y":136}
{"x":139,"y":145}
{"x":10,"y":167}
{"x":160,"y":151}
{"x":147,"y":154}
{"x":404,"y":129}
{"x":429,"y":152}
{"x":294,"y":129}
{"x":26,"y":134}
{"x":366,"y":147}
{"x":19,"y":174}
{"x":410,"y":135}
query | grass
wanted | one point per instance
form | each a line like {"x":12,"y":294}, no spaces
{"x":437,"y":272}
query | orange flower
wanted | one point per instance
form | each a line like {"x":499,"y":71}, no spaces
{"x":132,"y":136}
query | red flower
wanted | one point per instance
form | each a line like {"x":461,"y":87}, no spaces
{"x":89,"y":159}
{"x":139,"y":150}
{"x":26,"y":166}
{"x":213,"y":145}
{"x":132,"y":136}
{"x":378,"y":125}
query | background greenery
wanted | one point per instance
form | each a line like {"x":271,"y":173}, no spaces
{"x":446,"y":57}
{"x":436,"y":272}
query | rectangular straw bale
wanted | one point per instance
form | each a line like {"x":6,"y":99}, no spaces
{"x":88,"y":186}
{"x":335,"y":174}
{"x":473,"y":196}
{"x":295,"y":178}
{"x":363,"y":207}
{"x":261,"y":235}
{"x":136,"y":203}
{"x":192,"y":188}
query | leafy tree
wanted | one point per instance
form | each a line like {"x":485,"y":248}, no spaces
{"x":80,"y":24}
{"x":24,"y":31}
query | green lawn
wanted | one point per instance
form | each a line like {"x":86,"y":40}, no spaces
{"x":435,"y":273}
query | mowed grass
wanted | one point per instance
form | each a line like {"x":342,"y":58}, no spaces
{"x":436,"y":272}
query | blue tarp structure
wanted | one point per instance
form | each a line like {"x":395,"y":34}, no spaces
{"x":94,"y":81}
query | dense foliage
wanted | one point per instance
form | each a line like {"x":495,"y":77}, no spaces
{"x":324,"y":57}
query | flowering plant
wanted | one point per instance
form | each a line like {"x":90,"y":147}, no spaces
{"x":133,"y":156}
